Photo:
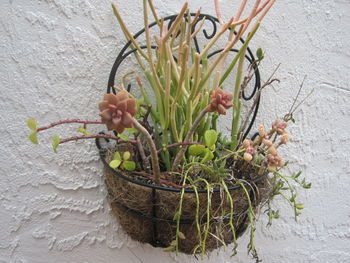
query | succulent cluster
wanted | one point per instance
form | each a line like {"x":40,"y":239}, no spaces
{"x":266,"y":147}
{"x":220,"y":101}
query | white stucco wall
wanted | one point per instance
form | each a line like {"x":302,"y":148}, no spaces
{"x":55,"y":59}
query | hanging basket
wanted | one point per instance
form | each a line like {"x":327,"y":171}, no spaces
{"x":146,"y":211}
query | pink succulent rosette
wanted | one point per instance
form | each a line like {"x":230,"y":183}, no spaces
{"x":220,"y":101}
{"x":279,"y":126}
{"x":117,"y":111}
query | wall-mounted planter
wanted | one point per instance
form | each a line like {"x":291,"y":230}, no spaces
{"x":147,"y":212}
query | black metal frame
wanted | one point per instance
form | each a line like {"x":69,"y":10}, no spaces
{"x":124,"y":53}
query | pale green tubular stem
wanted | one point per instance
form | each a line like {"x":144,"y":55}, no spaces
{"x":127,"y":33}
{"x":237,"y":102}
{"x":152,"y":148}
{"x":234,"y":61}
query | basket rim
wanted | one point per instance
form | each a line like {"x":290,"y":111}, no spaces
{"x":103,"y":151}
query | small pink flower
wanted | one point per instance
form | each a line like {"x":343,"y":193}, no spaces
{"x":262,"y":132}
{"x":247,"y":157}
{"x":117,"y":111}
{"x":274,"y":160}
{"x":220,"y":101}
{"x":284,"y":138}
{"x":249,"y":150}
{"x":279,"y":126}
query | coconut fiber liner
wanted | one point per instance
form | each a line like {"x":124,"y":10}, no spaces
{"x":146,"y":214}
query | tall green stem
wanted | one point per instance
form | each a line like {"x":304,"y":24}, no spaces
{"x":236,"y":102}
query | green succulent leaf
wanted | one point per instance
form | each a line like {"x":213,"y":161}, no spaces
{"x":299,"y":206}
{"x":129,"y":165}
{"x":123,"y":136}
{"x":31,"y":123}
{"x":83,"y":131}
{"x":307,"y":186}
{"x":169,"y":249}
{"x":210,"y":137}
{"x":117,"y":156}
{"x":55,"y":142}
{"x":260,"y":54}
{"x":181,"y":235}
{"x":207,"y":156}
{"x":176,"y":216}
{"x":196,"y":150}
{"x":33,"y":137}
{"x":115,"y":164}
{"x":131,"y":130}
{"x":126,"y":156}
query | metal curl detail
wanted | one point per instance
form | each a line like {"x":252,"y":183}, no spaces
{"x":207,"y":36}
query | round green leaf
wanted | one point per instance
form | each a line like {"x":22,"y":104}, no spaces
{"x":131,"y":130}
{"x":212,"y":148}
{"x":129,"y":165}
{"x":55,"y":142}
{"x":83,"y":131}
{"x":210,"y":137}
{"x":33,"y":138}
{"x":31,"y":123}
{"x":126,"y":156}
{"x":117,"y":156}
{"x":260,"y":54}
{"x":196,"y":149}
{"x":208,"y":156}
{"x":123,"y":136}
{"x":115,"y":164}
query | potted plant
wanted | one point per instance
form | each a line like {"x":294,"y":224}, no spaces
{"x":174,"y":180}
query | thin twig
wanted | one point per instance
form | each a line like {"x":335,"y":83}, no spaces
{"x":94,"y":136}
{"x":152,"y":148}
{"x":85,"y":122}
{"x":160,"y":180}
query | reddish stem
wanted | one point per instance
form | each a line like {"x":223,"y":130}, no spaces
{"x":179,"y":144}
{"x":94,"y":136}
{"x":160,"y":180}
{"x":85,"y":122}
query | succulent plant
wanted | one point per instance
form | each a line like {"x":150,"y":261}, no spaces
{"x":117,"y":111}
{"x":220,"y":101}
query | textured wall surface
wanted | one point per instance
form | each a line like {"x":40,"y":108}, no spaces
{"x":55,"y":59}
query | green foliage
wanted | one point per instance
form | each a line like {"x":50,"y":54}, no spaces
{"x":55,"y":142}
{"x":117,"y":156}
{"x":129,"y":165}
{"x":206,"y":150}
{"x":260,"y":54}
{"x":132,"y":130}
{"x":210,"y":138}
{"x":33,"y":137}
{"x":31,"y":123}
{"x":123,"y":161}
{"x":208,"y":156}
{"x":115,"y":164}
{"x":196,"y":150}
{"x":126,"y":156}
{"x":123,"y":136}
{"x":83,"y":131}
